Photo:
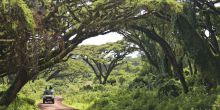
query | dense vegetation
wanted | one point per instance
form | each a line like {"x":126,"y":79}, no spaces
{"x":178,"y":42}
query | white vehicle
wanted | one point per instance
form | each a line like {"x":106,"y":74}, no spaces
{"x":48,"y":96}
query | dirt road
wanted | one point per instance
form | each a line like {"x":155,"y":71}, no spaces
{"x":56,"y":106}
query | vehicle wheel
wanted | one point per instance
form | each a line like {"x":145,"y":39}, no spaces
{"x":43,"y":101}
{"x":53,"y":101}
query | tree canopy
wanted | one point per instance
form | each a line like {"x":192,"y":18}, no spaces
{"x":36,"y":35}
{"x":104,"y":58}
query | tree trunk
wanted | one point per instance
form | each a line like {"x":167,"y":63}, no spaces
{"x":195,"y":69}
{"x":190,"y":67}
{"x":181,"y":78}
{"x":167,"y":66}
{"x":140,"y":44}
{"x":12,"y":91}
{"x":168,"y":52}
{"x":104,"y":80}
{"x":198,"y":49}
{"x":100,"y":79}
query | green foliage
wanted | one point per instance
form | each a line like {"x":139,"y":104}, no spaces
{"x":143,"y":99}
{"x":32,"y":24}
{"x":27,"y":14}
{"x":103,"y":53}
{"x":29,"y":96}
{"x":169,"y":90}
{"x":149,"y":93}
{"x":23,"y":103}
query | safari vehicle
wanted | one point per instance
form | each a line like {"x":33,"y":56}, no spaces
{"x":48,"y":96}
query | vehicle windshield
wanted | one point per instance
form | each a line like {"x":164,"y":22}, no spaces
{"x":48,"y":92}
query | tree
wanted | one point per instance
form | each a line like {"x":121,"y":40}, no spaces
{"x":104,"y":58}
{"x":168,"y":51}
{"x":203,"y":49}
{"x":38,"y":34}
{"x":187,"y":29}
{"x":68,"y":70}
{"x":157,"y":28}
{"x":146,"y":46}
{"x":189,"y":24}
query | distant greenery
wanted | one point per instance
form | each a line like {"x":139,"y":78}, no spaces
{"x":139,"y":92}
{"x":134,"y":88}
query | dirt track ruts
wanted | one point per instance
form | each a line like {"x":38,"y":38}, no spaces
{"x":56,"y":106}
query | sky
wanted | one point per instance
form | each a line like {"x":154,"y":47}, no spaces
{"x":217,"y":5}
{"x":102,"y":39}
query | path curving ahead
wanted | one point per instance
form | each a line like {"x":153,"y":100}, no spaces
{"x":56,"y":106}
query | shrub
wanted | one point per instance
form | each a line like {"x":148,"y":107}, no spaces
{"x":121,"y":80}
{"x":111,"y":81}
{"x":98,"y":87}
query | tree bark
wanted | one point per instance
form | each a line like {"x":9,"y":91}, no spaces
{"x":167,"y":66}
{"x":195,"y":69}
{"x":190,"y":67}
{"x":10,"y":94}
{"x":104,"y":80}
